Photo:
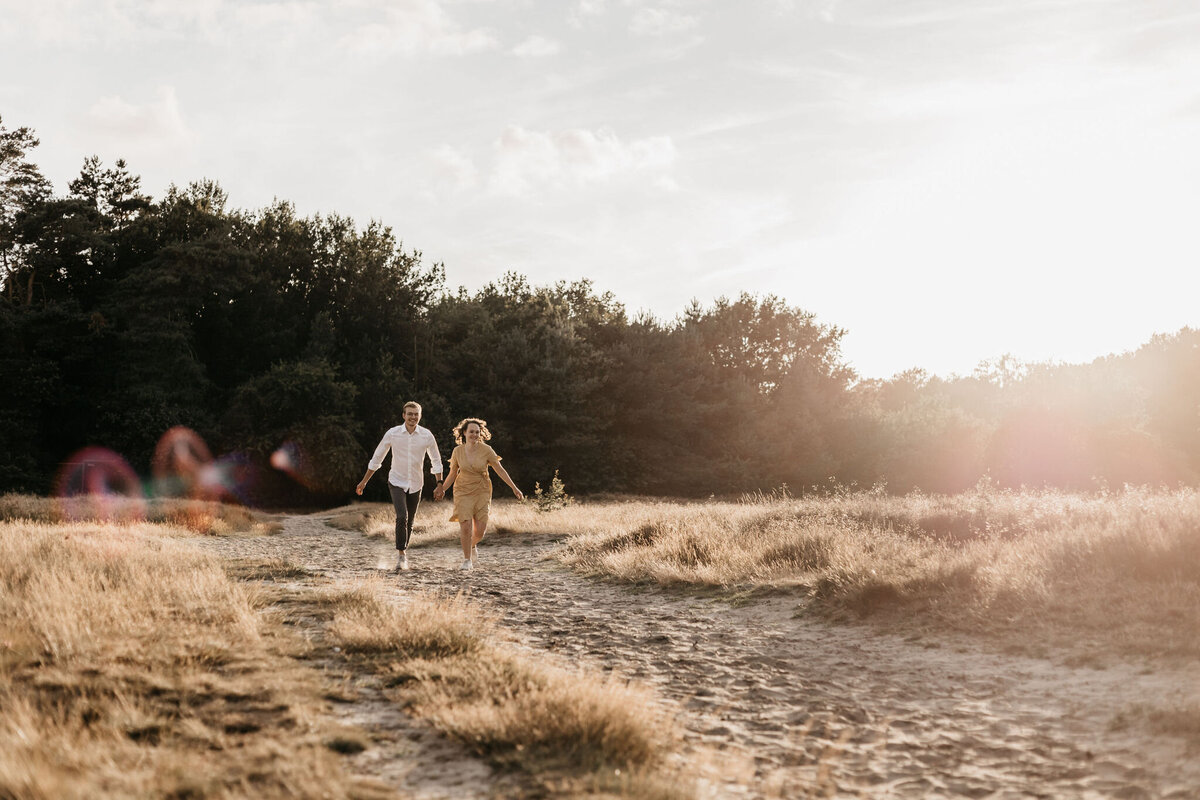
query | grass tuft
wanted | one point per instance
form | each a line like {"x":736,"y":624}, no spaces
{"x":442,"y":659}
{"x":367,"y":621}
{"x":1121,"y":569}
{"x":132,"y":666}
{"x":197,"y":516}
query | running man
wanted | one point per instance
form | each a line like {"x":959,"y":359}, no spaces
{"x":409,"y":444}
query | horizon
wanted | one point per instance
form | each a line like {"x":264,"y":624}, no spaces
{"x":848,"y":158}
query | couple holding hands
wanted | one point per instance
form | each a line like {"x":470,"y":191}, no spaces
{"x":469,"y":464}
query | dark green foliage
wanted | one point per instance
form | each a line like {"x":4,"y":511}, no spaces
{"x":122,"y":317}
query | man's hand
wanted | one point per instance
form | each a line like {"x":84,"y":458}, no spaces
{"x":438,"y":493}
{"x":359,"y":489}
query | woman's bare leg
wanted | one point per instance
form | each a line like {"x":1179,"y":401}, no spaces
{"x":464,"y":531}
{"x":480,"y":530}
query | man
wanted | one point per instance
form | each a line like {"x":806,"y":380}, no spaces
{"x":409,"y":444}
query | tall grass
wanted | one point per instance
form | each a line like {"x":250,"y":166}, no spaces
{"x":198,"y":516}
{"x":130,"y":665}
{"x":443,"y":658}
{"x":1123,"y":568}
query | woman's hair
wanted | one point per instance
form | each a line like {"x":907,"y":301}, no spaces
{"x":460,"y":430}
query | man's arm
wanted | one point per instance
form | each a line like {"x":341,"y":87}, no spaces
{"x":440,"y":491}
{"x":375,"y":463}
{"x":435,"y":465}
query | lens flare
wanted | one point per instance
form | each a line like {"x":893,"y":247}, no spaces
{"x":181,"y":459}
{"x":231,"y":477}
{"x":290,"y":459}
{"x":96,"y":483}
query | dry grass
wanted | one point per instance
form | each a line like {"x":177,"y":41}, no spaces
{"x":1183,"y":722}
{"x":198,"y":516}
{"x":1121,"y":569}
{"x":378,"y":521}
{"x":366,"y":620}
{"x":443,"y":660}
{"x":131,"y":665}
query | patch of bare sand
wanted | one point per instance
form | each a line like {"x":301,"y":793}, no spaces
{"x":795,"y":707}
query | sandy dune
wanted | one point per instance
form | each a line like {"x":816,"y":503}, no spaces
{"x":776,"y":705}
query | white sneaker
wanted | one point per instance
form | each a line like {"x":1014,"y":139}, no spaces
{"x":467,"y":565}
{"x":401,"y":562}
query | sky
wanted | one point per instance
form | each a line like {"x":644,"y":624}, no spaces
{"x":949,"y":181}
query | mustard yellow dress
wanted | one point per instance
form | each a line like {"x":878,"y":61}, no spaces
{"x":473,"y":485}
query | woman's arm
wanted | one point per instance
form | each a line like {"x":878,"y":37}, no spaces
{"x":503,"y":473}
{"x":441,"y":489}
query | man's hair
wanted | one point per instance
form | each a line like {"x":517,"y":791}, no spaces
{"x":412,"y":404}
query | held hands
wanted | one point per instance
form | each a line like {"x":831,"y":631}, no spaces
{"x":439,"y":492}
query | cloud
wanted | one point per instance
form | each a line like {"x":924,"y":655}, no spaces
{"x":528,"y":161}
{"x":372,"y":26}
{"x":660,"y":22}
{"x":537,"y":47}
{"x":73,"y":22}
{"x":454,"y":168}
{"x":157,"y":122}
{"x":414,"y":26}
{"x":278,"y":16}
{"x":584,"y":11}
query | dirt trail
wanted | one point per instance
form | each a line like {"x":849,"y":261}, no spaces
{"x":793,"y":707}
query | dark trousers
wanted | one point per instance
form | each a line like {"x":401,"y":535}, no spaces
{"x":406,"y":508}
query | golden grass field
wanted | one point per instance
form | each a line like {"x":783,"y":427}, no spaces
{"x":1119,"y":572}
{"x":449,"y":665}
{"x":132,"y":664}
{"x":1116,"y":572}
{"x":1084,"y":577}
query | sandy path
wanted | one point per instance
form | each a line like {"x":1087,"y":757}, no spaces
{"x":793,"y":707}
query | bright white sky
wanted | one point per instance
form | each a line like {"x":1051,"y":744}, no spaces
{"x":949,"y":180}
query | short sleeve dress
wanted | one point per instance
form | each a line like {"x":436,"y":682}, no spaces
{"x":473,"y":486}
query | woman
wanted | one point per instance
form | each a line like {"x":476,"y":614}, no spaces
{"x":472,"y":485}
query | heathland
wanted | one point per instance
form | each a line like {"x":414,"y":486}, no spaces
{"x":855,"y":643}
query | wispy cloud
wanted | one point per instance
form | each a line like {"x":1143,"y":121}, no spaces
{"x":278,"y":17}
{"x":156,"y":122}
{"x":453,"y":168}
{"x":415,"y":26}
{"x":585,"y":11}
{"x":658,"y":21}
{"x":528,"y":161}
{"x":65,"y":22}
{"x":537,"y":47}
{"x":406,"y":27}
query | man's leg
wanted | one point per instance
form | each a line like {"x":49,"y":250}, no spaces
{"x":402,"y":524}
{"x":412,"y":500}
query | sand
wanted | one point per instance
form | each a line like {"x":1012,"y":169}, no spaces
{"x":773,"y":703}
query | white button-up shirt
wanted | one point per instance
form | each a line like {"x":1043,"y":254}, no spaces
{"x":408,"y":455}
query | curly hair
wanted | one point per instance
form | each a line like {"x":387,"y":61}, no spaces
{"x":460,"y":430}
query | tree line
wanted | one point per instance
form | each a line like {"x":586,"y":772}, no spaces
{"x":123,"y":317}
